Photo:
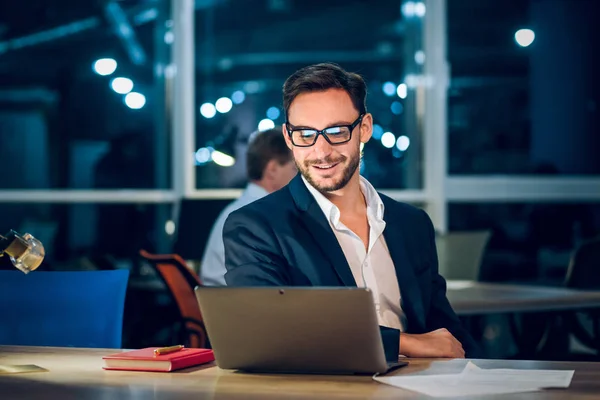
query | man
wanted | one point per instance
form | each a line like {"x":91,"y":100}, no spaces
{"x":329,"y":227}
{"x":269,"y":166}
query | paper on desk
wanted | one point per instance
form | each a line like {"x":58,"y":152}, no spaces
{"x":541,"y":378}
{"x":473,"y":381}
{"x":19,"y":369}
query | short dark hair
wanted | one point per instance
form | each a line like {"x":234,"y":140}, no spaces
{"x":321,"y":77}
{"x":263,"y":147}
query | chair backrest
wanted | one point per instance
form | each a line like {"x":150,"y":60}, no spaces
{"x":66,"y":309}
{"x":460,"y":254}
{"x":181,"y":281}
{"x":584,"y":267}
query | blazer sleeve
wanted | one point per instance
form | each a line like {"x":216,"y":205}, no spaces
{"x":253,"y":256}
{"x":441,"y":314}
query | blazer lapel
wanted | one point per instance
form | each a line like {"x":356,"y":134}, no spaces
{"x":315,"y":222}
{"x":410,"y":293}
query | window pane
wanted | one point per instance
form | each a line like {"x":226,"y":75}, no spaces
{"x":75,"y":235}
{"x":530,"y":241}
{"x":63,"y":122}
{"x":519,"y":101}
{"x":246,"y":50}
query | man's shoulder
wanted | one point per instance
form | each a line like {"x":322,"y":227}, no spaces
{"x":235,"y":205}
{"x":400,"y":209}
{"x":273,"y":204}
{"x":238,"y":203}
{"x":406,"y":216}
{"x":225,"y":212}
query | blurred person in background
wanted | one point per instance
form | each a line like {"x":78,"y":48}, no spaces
{"x":269,"y":166}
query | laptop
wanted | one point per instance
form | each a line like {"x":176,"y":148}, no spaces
{"x":294,"y":330}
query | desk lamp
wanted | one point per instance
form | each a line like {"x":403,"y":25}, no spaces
{"x":25,"y":252}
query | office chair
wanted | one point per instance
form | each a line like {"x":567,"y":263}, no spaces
{"x":181,"y":282}
{"x":459,"y":258}
{"x":550,"y":338}
{"x":65,"y":309}
{"x":460,"y":254}
{"x":584,"y":274}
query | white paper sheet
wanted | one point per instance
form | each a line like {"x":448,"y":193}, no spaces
{"x":541,"y":378}
{"x":474,"y":381}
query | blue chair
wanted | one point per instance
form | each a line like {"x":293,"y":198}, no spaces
{"x":66,"y":309}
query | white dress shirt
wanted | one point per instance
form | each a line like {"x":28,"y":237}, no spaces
{"x":212,"y":268}
{"x":372,"y":267}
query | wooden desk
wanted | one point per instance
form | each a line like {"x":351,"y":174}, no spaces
{"x":78,"y":374}
{"x":472,"y":298}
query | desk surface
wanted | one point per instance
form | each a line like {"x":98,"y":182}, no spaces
{"x":470,"y":298}
{"x":78,"y":374}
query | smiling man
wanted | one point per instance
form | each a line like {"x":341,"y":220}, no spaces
{"x":330,"y":227}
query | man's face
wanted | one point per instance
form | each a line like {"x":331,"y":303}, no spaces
{"x":327,"y":167}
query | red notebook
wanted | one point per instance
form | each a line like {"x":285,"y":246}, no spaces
{"x":145,"y":360}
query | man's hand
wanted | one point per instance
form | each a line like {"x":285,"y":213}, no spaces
{"x":436,"y":344}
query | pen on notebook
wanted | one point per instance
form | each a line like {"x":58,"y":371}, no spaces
{"x":166,"y":350}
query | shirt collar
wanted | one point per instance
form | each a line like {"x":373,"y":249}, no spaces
{"x":375,"y":207}
{"x":374,"y":203}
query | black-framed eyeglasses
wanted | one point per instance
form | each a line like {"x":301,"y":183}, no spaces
{"x":306,"y":137}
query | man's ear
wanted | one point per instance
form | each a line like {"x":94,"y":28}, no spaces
{"x":288,"y":141}
{"x":366,"y":128}
{"x":271,"y":169}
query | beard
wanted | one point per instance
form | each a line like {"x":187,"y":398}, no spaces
{"x":337,"y":184}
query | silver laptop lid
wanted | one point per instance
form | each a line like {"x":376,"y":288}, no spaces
{"x":307,"y":330}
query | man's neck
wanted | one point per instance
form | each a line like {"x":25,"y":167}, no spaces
{"x":350,"y":198}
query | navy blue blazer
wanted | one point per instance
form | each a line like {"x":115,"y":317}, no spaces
{"x":284,"y":239}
